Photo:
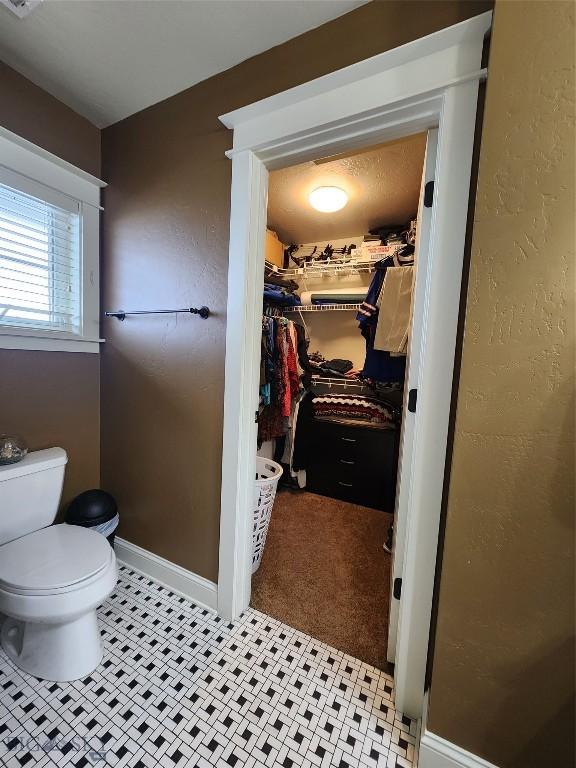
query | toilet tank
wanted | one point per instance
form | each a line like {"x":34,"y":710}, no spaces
{"x":30,"y":492}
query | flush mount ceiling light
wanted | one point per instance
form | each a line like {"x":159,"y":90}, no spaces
{"x":328,"y":199}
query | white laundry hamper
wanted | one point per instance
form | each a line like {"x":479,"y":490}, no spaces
{"x":268,"y":474}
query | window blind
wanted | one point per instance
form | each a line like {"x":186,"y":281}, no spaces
{"x":40,"y":263}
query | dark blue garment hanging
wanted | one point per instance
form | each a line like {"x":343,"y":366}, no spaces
{"x":379,"y":365}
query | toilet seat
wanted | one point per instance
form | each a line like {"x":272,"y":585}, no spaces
{"x":54,"y":560}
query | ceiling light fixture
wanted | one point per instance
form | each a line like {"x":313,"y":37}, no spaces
{"x":328,"y":199}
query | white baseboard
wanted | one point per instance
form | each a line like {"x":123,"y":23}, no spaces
{"x":436,"y":752}
{"x":178,"y":579}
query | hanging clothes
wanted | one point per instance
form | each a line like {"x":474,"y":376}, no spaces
{"x":286,"y":455}
{"x":303,"y":359}
{"x":292,"y":361}
{"x":394,"y":310}
{"x":283,"y":372}
{"x":266,"y":361}
{"x":284,"y":365}
{"x":303,"y":437}
{"x":381,"y":365}
{"x":367,"y":314}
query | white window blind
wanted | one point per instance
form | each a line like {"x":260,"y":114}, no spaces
{"x":40,"y":260}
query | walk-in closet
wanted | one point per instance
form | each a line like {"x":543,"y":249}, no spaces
{"x":339,"y":274}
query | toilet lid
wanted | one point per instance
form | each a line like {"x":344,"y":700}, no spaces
{"x":53,"y":558}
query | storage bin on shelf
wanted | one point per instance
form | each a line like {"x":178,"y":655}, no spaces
{"x":268,"y":474}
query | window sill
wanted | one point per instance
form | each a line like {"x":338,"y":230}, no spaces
{"x":48,"y":343}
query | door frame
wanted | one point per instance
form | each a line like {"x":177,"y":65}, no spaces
{"x":403,"y":485}
{"x":429,"y":83}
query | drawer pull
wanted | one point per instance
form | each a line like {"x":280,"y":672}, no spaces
{"x":343,"y":461}
{"x":348,"y":439}
{"x":347,"y":485}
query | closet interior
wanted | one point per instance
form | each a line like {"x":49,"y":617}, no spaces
{"x":338,"y":277}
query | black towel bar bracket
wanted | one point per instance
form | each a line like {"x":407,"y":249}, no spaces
{"x":121,"y":314}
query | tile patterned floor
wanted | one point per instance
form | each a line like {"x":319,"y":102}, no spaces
{"x":180,"y":687}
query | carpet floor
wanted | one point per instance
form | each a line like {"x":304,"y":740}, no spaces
{"x":324,"y":572}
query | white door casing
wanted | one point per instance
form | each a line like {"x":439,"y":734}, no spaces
{"x":421,"y":256}
{"x":432,"y":82}
{"x":441,"y":308}
{"x":243,"y":331}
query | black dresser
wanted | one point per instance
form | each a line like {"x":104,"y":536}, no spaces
{"x":355,"y":463}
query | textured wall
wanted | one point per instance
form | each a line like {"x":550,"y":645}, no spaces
{"x":503,"y":667}
{"x":52,"y":398}
{"x":166,"y":243}
{"x":37,"y":116}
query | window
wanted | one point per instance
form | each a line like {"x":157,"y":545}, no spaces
{"x":40,"y":263}
{"x":49,"y":251}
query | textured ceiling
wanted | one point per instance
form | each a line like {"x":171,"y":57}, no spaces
{"x":382,"y":183}
{"x":110,"y":58}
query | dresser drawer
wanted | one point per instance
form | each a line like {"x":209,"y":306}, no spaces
{"x":356,"y":464}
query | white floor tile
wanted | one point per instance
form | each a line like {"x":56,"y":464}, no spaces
{"x":180,"y":687}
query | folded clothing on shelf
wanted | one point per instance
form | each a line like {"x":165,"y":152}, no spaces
{"x":335,"y":369}
{"x":280,"y":296}
{"x":391,"y":234}
{"x":342,"y":366}
{"x":390,"y":392}
{"x":353,"y":407}
{"x":272,"y":278}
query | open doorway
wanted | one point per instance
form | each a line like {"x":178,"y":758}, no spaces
{"x":430,"y":85}
{"x":327,"y":563}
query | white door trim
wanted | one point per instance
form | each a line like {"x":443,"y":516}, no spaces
{"x":243,"y":330}
{"x":421,"y":257}
{"x":432,"y":82}
{"x":434,"y":382}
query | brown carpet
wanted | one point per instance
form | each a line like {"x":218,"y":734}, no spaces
{"x":324,"y":571}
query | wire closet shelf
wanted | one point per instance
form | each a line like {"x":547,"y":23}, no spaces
{"x":327,"y":267}
{"x":322,"y":308}
{"x":354,"y":385}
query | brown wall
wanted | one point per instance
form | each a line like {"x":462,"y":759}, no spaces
{"x":166,"y":244}
{"x":52,"y":398}
{"x":37,"y":116}
{"x":503,"y":667}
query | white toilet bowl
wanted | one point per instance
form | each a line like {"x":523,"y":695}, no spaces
{"x":51,"y":582}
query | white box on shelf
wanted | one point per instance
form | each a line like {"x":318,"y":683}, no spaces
{"x":375,"y":250}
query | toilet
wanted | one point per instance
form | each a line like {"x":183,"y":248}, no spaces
{"x":52,"y":577}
